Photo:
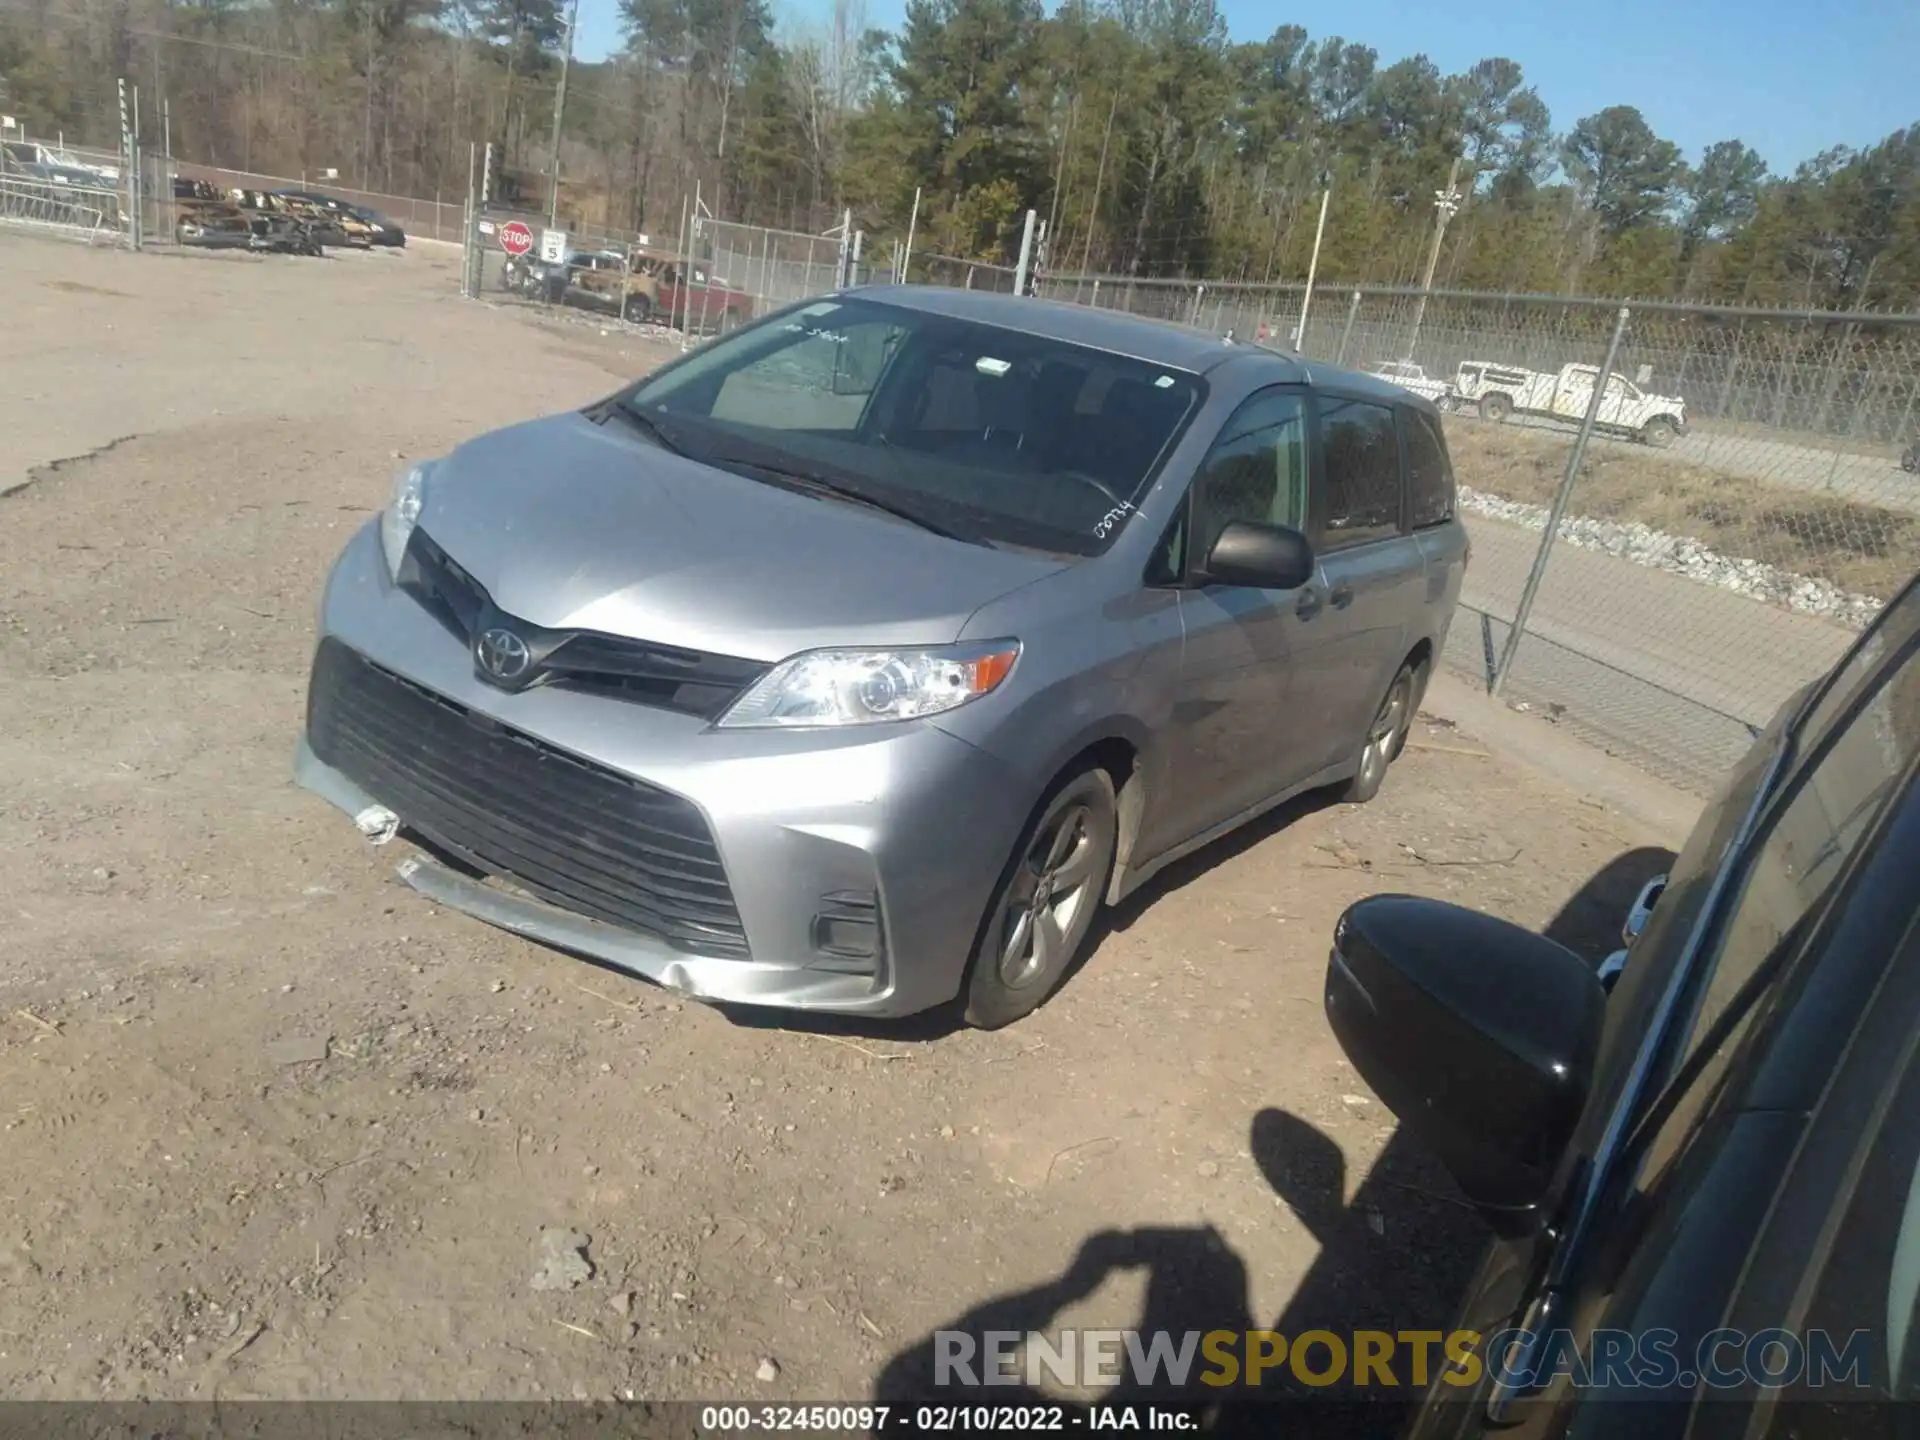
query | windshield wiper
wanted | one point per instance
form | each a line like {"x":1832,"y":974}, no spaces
{"x":816,"y":483}
{"x":635,"y":420}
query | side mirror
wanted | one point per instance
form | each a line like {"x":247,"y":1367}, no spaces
{"x":1264,"y":557}
{"x":1479,"y":1035}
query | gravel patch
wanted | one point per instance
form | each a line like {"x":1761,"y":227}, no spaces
{"x":1644,"y":545}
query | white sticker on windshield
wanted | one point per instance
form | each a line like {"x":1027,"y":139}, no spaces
{"x":1165,"y":382}
{"x":825,"y":307}
{"x":987,"y":365}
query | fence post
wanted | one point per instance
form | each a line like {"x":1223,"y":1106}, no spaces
{"x":1560,"y":497}
{"x":1024,"y":268}
{"x":1346,"y":331}
{"x":129,"y":182}
{"x":842,"y":269}
{"x":139,"y":180}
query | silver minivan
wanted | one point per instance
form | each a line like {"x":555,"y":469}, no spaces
{"x":853,"y":661}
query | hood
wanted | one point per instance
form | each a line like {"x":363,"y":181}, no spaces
{"x":571,"y":525}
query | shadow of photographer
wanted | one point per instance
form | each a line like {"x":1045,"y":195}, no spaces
{"x":1394,"y":1257}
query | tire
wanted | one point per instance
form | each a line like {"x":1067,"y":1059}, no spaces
{"x":1495,"y":407}
{"x":639,"y":310}
{"x":1659,"y":432}
{"x":1386,"y":736}
{"x":1060,"y":870}
{"x":1910,"y":460}
{"x":729,"y":321}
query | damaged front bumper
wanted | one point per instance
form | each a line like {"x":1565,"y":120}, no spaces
{"x":859,"y":863}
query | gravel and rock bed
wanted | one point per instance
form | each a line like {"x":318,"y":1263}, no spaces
{"x":1644,"y":545}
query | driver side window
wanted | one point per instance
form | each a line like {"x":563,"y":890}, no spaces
{"x":1256,"y":470}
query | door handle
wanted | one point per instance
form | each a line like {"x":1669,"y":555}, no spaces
{"x":1341,"y":597}
{"x":1309,"y":603}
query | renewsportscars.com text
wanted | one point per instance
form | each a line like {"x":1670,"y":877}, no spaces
{"x":1387,"y":1359}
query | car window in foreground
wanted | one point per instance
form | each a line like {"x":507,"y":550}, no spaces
{"x":1790,"y":869}
{"x":998,"y":434}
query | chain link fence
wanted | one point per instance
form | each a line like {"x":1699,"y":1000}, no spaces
{"x":705,"y":279}
{"x":1748,"y":499}
{"x":69,"y":192}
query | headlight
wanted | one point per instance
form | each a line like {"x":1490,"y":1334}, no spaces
{"x":403,"y":512}
{"x":865,"y":687}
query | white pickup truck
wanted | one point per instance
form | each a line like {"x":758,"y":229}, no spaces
{"x":1497,"y":391}
{"x":1409,"y":376}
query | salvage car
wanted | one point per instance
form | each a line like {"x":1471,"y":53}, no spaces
{"x":1702,"y":1164}
{"x":854,"y":660}
{"x":684,"y":294}
{"x":381,"y":230}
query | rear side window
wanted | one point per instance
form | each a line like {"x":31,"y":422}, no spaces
{"x":1429,"y":475}
{"x":1361,"y":454}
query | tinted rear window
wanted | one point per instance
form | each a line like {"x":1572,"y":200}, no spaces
{"x":1361,"y":461}
{"x":1429,"y":474}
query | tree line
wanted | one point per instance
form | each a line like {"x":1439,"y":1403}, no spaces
{"x":1151,"y":141}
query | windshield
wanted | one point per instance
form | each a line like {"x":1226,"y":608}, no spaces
{"x":994,"y":435}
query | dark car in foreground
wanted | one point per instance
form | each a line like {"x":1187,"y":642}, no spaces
{"x":1702,"y":1181}
{"x":854,"y":660}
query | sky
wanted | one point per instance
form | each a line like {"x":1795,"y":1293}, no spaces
{"x":1789,"y":77}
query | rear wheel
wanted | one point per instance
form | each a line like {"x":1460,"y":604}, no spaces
{"x":639,"y":309}
{"x":1386,"y":737}
{"x":1045,"y":903}
{"x":1495,"y":407}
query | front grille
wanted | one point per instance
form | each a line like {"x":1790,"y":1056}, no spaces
{"x":573,"y":833}
{"x":692,"y":682}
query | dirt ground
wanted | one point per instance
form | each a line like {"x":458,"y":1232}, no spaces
{"x":272,"y":1125}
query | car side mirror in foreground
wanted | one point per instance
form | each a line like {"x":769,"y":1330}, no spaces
{"x":1265,"y":557}
{"x":1479,"y":1036}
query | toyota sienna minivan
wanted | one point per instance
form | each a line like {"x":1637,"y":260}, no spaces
{"x":853,"y":661}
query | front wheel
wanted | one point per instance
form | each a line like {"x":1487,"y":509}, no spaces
{"x":1910,"y":460}
{"x":1386,"y":737}
{"x":1495,"y":407}
{"x":1045,"y":903}
{"x":1659,"y":432}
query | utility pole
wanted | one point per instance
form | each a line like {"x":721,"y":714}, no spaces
{"x":1313,"y":269}
{"x":1445,"y":203}
{"x":559,"y":112}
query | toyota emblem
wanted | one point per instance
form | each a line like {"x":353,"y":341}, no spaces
{"x":502,"y":656}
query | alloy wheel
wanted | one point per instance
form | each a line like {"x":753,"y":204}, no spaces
{"x":1052,"y":888}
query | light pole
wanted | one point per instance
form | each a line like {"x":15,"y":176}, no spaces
{"x":1445,"y":203}
{"x":559,"y":110}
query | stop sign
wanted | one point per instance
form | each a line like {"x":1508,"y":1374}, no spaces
{"x":516,"y":238}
